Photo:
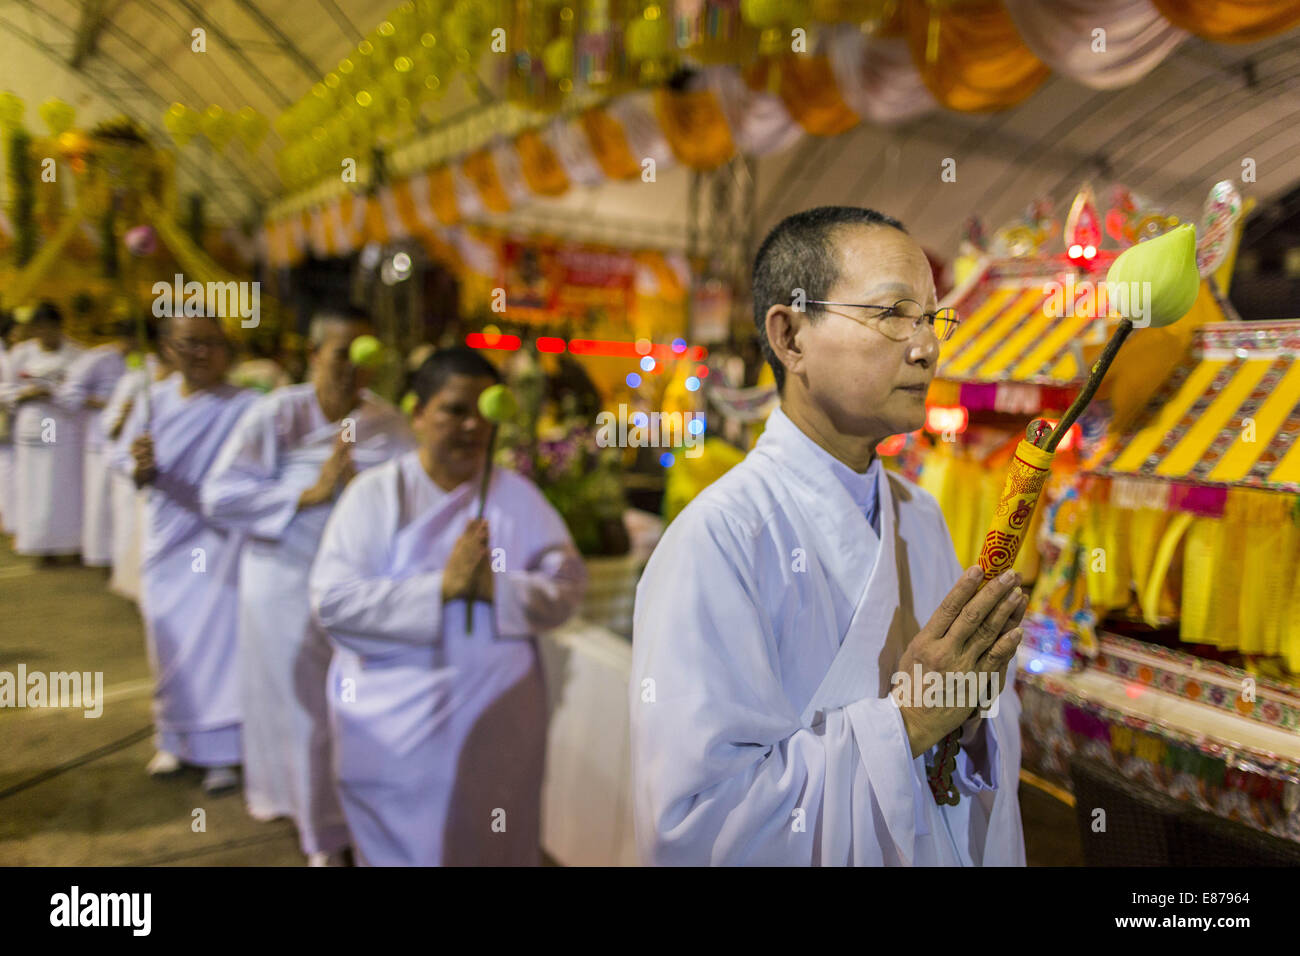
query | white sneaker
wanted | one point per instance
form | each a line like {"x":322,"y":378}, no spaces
{"x":333,"y":858}
{"x":220,"y":780}
{"x":163,"y":764}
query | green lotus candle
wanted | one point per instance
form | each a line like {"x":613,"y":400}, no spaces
{"x":366,"y":351}
{"x":1161,"y":271}
{"x":497,"y":404}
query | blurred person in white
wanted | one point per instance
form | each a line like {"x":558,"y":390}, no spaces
{"x":277,"y":478}
{"x":779,"y":605}
{"x":47,"y":440}
{"x":190,"y":564}
{"x":127,"y":502}
{"x":8,"y":329}
{"x":440,"y":729}
{"x":86,"y":390}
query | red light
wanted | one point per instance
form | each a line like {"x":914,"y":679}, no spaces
{"x":550,"y":344}
{"x":500,"y":343}
{"x":946,"y":418}
{"x":701,"y":371}
{"x":1072,"y":437}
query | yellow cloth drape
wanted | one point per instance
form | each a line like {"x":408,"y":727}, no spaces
{"x":442,"y":195}
{"x":406,"y":211}
{"x":609,"y":145}
{"x":981,"y":62}
{"x":695,"y":127}
{"x":373,"y":229}
{"x":542,"y":170}
{"x":481,"y":171}
{"x":1231,"y":21}
{"x":807,"y":87}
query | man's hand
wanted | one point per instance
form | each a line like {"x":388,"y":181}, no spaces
{"x":970,"y":632}
{"x":462,"y":577}
{"x":337,"y":471}
{"x":146,"y":471}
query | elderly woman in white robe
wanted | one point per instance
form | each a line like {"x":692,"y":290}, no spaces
{"x":190,"y":568}
{"x":277,"y":478}
{"x":440,"y":729}
{"x":47,"y":440}
{"x":779,"y":607}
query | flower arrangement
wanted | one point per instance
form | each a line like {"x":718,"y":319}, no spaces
{"x":553,"y":444}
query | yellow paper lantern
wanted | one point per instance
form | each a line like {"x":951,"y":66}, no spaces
{"x":252,"y":128}
{"x":58,"y":115}
{"x":218,"y":126}
{"x":11,"y":110}
{"x":649,"y":38}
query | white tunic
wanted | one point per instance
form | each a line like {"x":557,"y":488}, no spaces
{"x":94,"y":375}
{"x":8,"y":490}
{"x":127,"y":504}
{"x":273,"y":455}
{"x":189,"y":573}
{"x":440,"y":733}
{"x":768,"y":624}
{"x":47,"y":453}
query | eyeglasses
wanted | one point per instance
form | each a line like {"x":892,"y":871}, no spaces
{"x":901,"y":320}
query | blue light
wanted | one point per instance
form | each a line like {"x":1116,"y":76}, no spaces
{"x":647,"y":363}
{"x":1036,"y":665}
{"x":696,"y":426}
{"x":640,"y":420}
{"x":667,"y":459}
{"x":692,"y":384}
{"x":633,"y":380}
{"x":679,"y":346}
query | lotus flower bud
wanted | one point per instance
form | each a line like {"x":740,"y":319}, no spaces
{"x":366,"y":351}
{"x":497,"y":404}
{"x":1156,"y":282}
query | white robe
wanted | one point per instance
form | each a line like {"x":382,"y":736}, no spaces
{"x":768,"y":624}
{"x":8,"y":490}
{"x":47,"y":453}
{"x":440,"y":734}
{"x":94,"y":375}
{"x":273,"y":455}
{"x":189,"y":574}
{"x":126,"y":502}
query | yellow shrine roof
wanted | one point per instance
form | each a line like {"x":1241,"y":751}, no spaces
{"x":1228,"y":415}
{"x":1014,"y":329}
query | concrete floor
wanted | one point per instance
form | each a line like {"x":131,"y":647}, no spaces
{"x":73,"y":791}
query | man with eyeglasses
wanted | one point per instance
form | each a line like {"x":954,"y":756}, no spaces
{"x":777,"y":613}
{"x":190,"y":566}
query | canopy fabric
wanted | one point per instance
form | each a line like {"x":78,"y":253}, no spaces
{"x":1228,"y":416}
{"x":1009,"y":330}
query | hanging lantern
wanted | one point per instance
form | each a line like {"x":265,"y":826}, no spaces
{"x":181,"y":123}
{"x":58,"y":115}
{"x":11,"y":110}
{"x":218,"y":126}
{"x":252,"y":128}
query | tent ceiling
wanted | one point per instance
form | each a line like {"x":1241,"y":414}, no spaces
{"x":1169,"y":137}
